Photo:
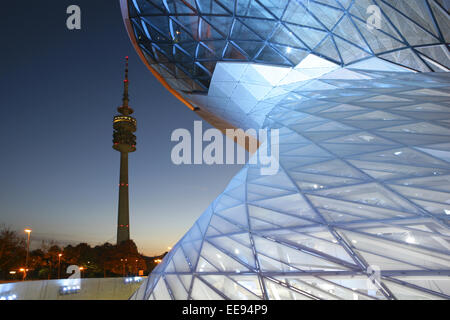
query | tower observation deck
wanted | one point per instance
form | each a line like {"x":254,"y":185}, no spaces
{"x":124,"y":141}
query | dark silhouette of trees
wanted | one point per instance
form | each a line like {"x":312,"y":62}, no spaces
{"x":12,"y":250}
{"x":106,"y":260}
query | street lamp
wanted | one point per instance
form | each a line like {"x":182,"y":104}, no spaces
{"x":24,"y":273}
{"x":59,"y":265}
{"x":28,"y":231}
{"x":137,"y":269}
{"x":123,"y":266}
{"x":81,"y":272}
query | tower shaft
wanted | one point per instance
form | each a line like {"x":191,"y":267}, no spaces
{"x":123,"y":220}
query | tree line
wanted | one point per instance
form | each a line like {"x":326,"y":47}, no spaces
{"x":51,"y":261}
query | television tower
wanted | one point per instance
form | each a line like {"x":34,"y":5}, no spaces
{"x":124,"y":141}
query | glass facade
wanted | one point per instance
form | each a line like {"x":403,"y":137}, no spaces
{"x":360,"y":206}
{"x":184,"y":39}
{"x":363,"y":185}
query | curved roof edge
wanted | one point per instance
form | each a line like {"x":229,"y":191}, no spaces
{"x":214,"y":120}
{"x":129,"y":28}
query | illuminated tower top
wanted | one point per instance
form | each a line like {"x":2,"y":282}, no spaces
{"x":124,"y":125}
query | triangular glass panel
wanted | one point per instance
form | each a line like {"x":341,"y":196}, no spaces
{"x":273,"y":219}
{"x":242,"y":32}
{"x":240,"y":252}
{"x":251,"y":48}
{"x":328,"y":49}
{"x":208,"y":31}
{"x":220,"y":260}
{"x":235,"y":214}
{"x":223,"y":225}
{"x":201,"y":291}
{"x":181,"y":6}
{"x":310,"y":37}
{"x":160,"y":291}
{"x":370,"y":194}
{"x":278,"y":292}
{"x":297,"y":13}
{"x":270,"y":55}
{"x":214,"y":7}
{"x":250,"y":8}
{"x":231,"y":52}
{"x":292,"y":257}
{"x":232,"y":289}
{"x":160,"y":23}
{"x":176,"y":287}
{"x":264,"y":30}
{"x":403,"y":292}
{"x":149,"y":7}
{"x":216,"y":46}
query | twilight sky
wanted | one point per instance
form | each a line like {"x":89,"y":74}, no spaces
{"x":58,"y":171}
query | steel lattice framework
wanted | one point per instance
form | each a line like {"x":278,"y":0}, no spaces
{"x":360,"y":206}
{"x":364,"y":184}
{"x":183,"y":39}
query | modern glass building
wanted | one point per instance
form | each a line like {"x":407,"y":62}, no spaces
{"x":359,"y":91}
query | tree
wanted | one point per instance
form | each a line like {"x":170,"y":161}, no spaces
{"x":36,"y":262}
{"x":105,"y":260}
{"x":12,"y":250}
{"x":105,"y":257}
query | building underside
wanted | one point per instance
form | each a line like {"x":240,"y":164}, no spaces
{"x":360,"y":206}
